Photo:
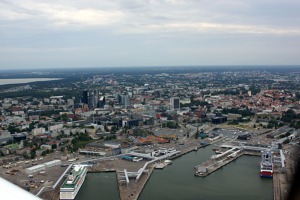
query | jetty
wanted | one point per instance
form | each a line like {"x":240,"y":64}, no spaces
{"x":215,"y":163}
{"x":218,"y":161}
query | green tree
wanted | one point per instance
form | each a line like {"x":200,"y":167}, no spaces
{"x":64,"y":117}
{"x":32,"y":154}
{"x":54,"y":146}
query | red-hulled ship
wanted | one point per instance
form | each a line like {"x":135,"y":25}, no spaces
{"x":266,"y":165}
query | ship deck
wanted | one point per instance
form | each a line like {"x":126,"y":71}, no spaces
{"x":77,"y":175}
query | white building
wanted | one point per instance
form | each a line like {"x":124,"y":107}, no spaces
{"x":52,"y":163}
{"x":35,"y":169}
{"x":56,"y":127}
{"x":38,"y":131}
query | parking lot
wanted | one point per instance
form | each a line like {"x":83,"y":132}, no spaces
{"x":15,"y":173}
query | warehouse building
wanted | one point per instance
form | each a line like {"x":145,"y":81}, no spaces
{"x":41,"y":167}
{"x":52,"y":163}
{"x":35,"y":169}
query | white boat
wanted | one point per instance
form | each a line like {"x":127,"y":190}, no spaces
{"x":73,"y":183}
{"x":168,"y":162}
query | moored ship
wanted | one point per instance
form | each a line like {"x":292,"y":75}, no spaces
{"x":266,"y":165}
{"x":72,"y":184}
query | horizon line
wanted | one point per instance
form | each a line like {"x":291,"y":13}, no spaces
{"x":154,"y":66}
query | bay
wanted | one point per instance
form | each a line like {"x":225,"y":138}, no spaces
{"x":25,"y":80}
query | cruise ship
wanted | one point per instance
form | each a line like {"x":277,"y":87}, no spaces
{"x":72,"y":184}
{"x":266,"y":165}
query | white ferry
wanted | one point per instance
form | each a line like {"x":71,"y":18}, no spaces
{"x":72,"y":184}
{"x":266,"y":166}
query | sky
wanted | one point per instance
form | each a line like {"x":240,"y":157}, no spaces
{"x":108,"y":33}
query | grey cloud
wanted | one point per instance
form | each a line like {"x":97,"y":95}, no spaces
{"x":146,"y":32}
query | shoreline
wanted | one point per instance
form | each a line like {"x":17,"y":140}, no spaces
{"x":14,"y":81}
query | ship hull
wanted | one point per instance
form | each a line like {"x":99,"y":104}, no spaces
{"x":266,"y":174}
{"x":266,"y":165}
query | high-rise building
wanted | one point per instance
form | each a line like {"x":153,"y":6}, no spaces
{"x":70,"y":102}
{"x":126,"y":100}
{"x":101,"y":102}
{"x":174,"y":103}
{"x":119,"y":98}
{"x":85,"y":97}
{"x":93,"y":99}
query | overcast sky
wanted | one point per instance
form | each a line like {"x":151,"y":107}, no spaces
{"x":101,"y":33}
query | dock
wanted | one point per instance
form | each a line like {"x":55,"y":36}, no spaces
{"x":276,"y":187}
{"x":213,"y":165}
{"x":282,"y":177}
{"x":218,"y":161}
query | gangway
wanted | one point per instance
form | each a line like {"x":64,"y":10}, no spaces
{"x":223,"y":154}
{"x":62,"y":176}
{"x":282,"y":158}
{"x":142,"y":155}
{"x":245,"y":147}
{"x":57,"y":182}
{"x":152,"y":161}
{"x":126,"y":176}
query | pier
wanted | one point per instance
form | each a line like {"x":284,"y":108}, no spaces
{"x":218,"y":161}
{"x":276,"y":187}
{"x":213,"y":165}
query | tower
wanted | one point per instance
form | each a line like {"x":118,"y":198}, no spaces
{"x":174,"y":103}
{"x":93,"y":98}
{"x":126,"y":100}
{"x":84,"y":98}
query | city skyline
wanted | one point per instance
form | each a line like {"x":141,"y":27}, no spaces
{"x":63,"y":34}
{"x":136,"y":124}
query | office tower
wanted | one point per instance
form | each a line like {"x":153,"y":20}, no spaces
{"x":93,"y":98}
{"x":126,"y":100}
{"x":174,"y":103}
{"x":101,"y":102}
{"x":84,"y":98}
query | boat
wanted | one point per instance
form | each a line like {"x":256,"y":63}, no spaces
{"x":168,"y":162}
{"x":73,"y":183}
{"x":266,"y":165}
{"x":218,"y":151}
